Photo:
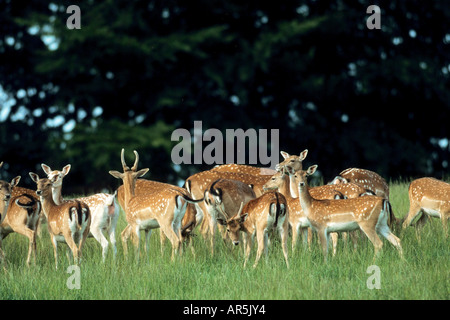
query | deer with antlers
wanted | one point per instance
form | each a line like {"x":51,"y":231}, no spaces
{"x":162,"y":208}
{"x":257,"y":218}
{"x":430,"y":197}
{"x":104,"y":210}
{"x":370,"y":214}
{"x":67,"y":222}
{"x":222,"y":198}
{"x":199,"y":182}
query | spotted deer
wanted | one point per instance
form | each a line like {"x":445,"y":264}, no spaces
{"x":431,"y":197}
{"x":370,"y":180}
{"x":163,"y":208}
{"x":222,"y":198}
{"x":257,"y":218}
{"x":246,"y":169}
{"x":297,"y":218}
{"x":67,"y":222}
{"x":292,"y":162}
{"x":197,"y":183}
{"x":370,"y":214}
{"x":104,"y":210}
{"x":5,"y":193}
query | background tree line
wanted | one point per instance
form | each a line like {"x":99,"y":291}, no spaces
{"x":137,"y":70}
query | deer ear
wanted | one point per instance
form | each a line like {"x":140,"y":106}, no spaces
{"x":285,"y":155}
{"x":243,"y":217}
{"x":66,"y":169}
{"x":34,"y":177}
{"x":312,"y":169}
{"x":303,"y":154}
{"x":46,"y":168}
{"x":222,"y":222}
{"x":116,"y":174}
{"x":141,"y":172}
{"x":15,"y":181}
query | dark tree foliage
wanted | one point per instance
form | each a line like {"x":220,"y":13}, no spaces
{"x":137,"y":70}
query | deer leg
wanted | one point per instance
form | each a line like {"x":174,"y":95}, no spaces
{"x":248,"y":247}
{"x":323,"y":239}
{"x":260,"y":238}
{"x":284,"y":235}
{"x":172,"y":236}
{"x":334,"y":238}
{"x":55,"y":249}
{"x":125,"y":235}
{"x":373,"y":237}
{"x":98,"y":235}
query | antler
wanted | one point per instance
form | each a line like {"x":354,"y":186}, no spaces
{"x":134,"y":168}
{"x":122,"y":158}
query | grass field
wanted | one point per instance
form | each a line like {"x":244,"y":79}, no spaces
{"x":424,"y":274}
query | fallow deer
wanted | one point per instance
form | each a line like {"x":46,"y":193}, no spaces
{"x":246,"y":169}
{"x":198,"y":183}
{"x":292,"y":162}
{"x":431,"y":197}
{"x":5,"y":192}
{"x":370,"y":180}
{"x":370,"y":214}
{"x":259,"y":217}
{"x":163,"y":208}
{"x":297,"y":219}
{"x":222,"y":198}
{"x":104,"y":210}
{"x":68,"y":222}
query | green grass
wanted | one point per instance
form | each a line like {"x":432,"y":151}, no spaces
{"x":424,"y":274}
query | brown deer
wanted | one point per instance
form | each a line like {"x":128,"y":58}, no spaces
{"x":257,"y":218}
{"x":246,"y":169}
{"x":370,"y":214}
{"x":162,"y":208}
{"x":222,"y":199}
{"x":370,"y":180}
{"x":292,"y":162}
{"x":103,"y":208}
{"x":68,"y":222}
{"x":430,"y":197}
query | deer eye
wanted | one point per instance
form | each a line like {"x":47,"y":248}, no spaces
{"x":292,"y":160}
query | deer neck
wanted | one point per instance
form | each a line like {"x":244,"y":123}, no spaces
{"x":57,"y":195}
{"x":3,"y":209}
{"x":305,"y":200}
{"x":293,"y":189}
{"x":284,"y":187}
{"x":47,"y":204}
{"x":129,"y":188}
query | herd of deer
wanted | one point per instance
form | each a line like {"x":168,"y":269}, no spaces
{"x":242,"y":199}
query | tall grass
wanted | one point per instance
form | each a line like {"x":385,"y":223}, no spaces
{"x":423,"y":274}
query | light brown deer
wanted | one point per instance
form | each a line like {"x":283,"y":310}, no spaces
{"x":297,"y":218}
{"x":5,"y":193}
{"x":163,"y":208}
{"x":198,"y":183}
{"x":370,"y":180}
{"x":257,"y":218}
{"x":68,"y":222}
{"x":222,"y":199}
{"x":104,"y":210}
{"x":430,"y":197}
{"x":370,"y":214}
{"x":292,"y":162}
{"x":246,"y":169}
